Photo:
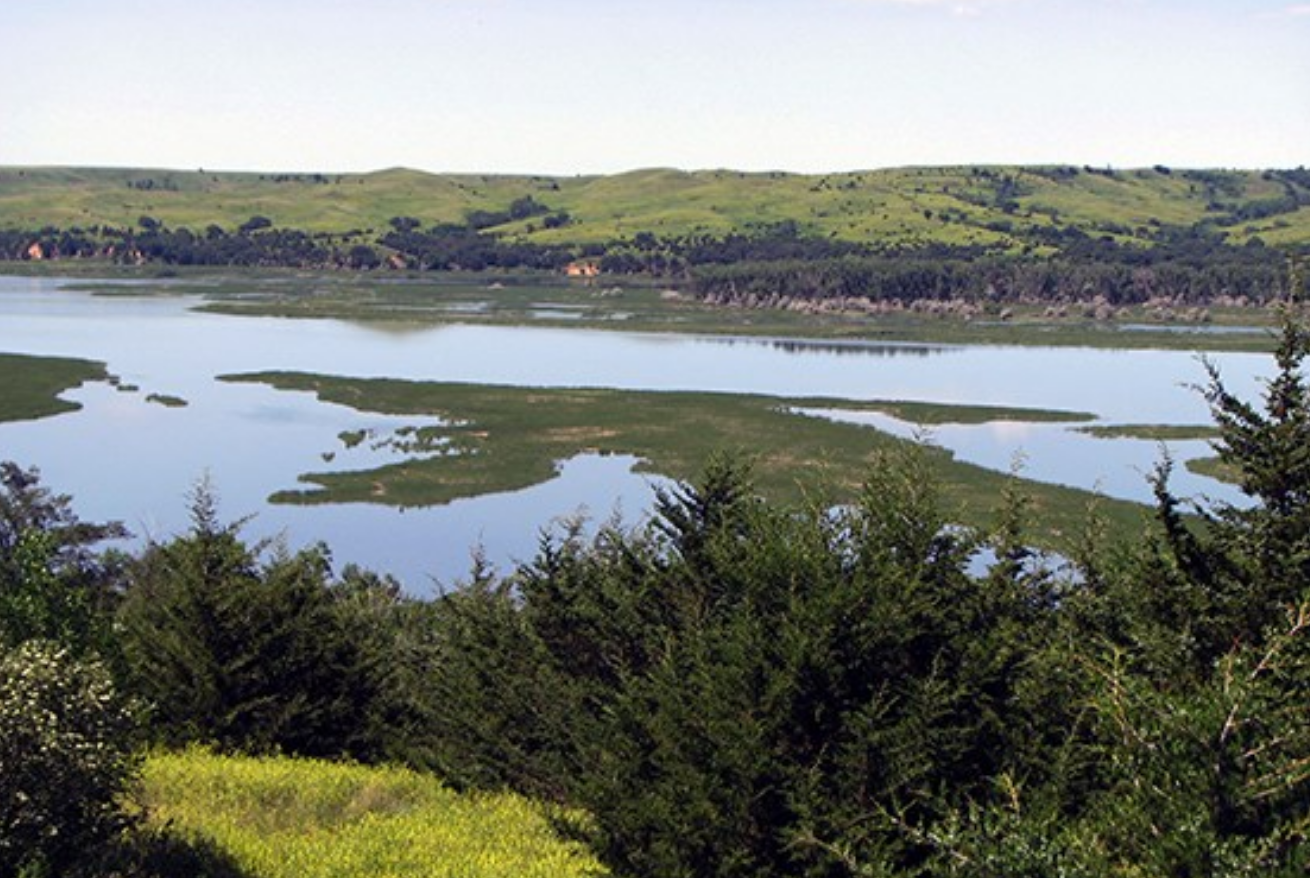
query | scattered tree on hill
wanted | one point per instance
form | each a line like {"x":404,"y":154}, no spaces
{"x":255,"y":224}
{"x":526,"y":208}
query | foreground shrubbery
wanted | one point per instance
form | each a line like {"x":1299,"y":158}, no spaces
{"x":743,"y":689}
{"x":746,"y":689}
{"x":773,"y":692}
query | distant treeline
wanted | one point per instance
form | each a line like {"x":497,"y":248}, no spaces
{"x":768,"y":266}
{"x":257,"y":243}
{"x":1121,"y":277}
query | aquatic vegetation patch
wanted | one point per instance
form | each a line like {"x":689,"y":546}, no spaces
{"x":30,"y":386}
{"x":498,"y":438}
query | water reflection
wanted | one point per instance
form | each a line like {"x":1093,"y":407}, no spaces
{"x":558,"y":313}
{"x":479,"y":307}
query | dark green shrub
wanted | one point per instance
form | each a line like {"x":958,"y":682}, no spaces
{"x":52,"y":585}
{"x":261,"y":650}
{"x":745,"y":688}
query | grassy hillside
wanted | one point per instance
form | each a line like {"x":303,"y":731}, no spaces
{"x":274,"y":817}
{"x":984,"y":205}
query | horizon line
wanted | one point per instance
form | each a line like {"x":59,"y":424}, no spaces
{"x":199,"y":170}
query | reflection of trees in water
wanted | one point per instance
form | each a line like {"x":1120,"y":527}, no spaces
{"x":863,"y":349}
{"x":841,"y":348}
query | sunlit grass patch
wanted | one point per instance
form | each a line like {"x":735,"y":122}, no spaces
{"x":299,"y":818}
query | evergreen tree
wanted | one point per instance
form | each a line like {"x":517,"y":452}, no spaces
{"x":748,"y":689}
{"x":1268,"y":448}
{"x":1238,"y":571}
{"x":237,"y":652}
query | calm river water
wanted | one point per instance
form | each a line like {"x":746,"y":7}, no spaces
{"x":125,"y":458}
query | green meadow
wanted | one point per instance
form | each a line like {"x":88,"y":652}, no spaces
{"x":955,"y":205}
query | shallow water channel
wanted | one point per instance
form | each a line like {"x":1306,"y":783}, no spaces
{"x":124,"y":457}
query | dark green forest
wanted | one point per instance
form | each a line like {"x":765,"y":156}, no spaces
{"x":737,"y":688}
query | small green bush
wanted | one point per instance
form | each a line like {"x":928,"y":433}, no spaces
{"x":66,"y":759}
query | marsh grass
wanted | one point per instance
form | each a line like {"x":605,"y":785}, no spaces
{"x":30,"y":386}
{"x":508,"y":438}
{"x":1156,"y":432}
{"x":167,"y":400}
{"x":1214,"y":468}
{"x":640,"y":305}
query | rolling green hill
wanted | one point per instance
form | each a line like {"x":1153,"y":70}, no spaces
{"x":957,"y":205}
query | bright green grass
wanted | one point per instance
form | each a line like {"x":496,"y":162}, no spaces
{"x":898,"y":205}
{"x":30,"y":197}
{"x":297,"y":818}
{"x":507,"y":438}
{"x":29,"y":386}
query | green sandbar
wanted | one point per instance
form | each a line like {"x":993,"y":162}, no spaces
{"x":1156,"y":432}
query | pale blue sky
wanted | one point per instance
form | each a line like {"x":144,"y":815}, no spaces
{"x":598,"y":86}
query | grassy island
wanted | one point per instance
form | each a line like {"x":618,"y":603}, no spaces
{"x":497,"y":438}
{"x":30,"y":386}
